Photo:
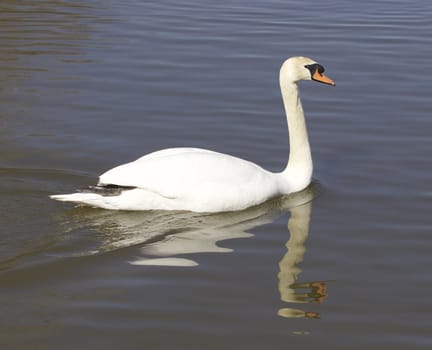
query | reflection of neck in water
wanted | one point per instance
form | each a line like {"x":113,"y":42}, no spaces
{"x":290,"y":290}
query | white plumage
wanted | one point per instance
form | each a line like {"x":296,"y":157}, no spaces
{"x":206,"y":181}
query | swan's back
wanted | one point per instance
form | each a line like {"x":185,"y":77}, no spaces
{"x":189,"y":175}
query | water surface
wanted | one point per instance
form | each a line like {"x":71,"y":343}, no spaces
{"x":87,"y":85}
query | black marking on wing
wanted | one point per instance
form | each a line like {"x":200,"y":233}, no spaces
{"x":107,"y":190}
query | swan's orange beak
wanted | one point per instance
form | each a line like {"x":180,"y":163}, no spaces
{"x":317,"y":76}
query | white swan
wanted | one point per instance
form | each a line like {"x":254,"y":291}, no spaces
{"x":205,"y":181}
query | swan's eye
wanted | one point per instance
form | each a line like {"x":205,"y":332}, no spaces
{"x":315,"y":67}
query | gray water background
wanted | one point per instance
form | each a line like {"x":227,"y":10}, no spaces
{"x":87,"y":85}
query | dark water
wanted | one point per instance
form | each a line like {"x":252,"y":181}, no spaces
{"x":87,"y":85}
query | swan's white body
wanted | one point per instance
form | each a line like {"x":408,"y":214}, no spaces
{"x":206,"y":181}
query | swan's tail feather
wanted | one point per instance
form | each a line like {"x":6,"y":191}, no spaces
{"x":74,"y":197}
{"x":101,"y":196}
{"x":92,"y":199}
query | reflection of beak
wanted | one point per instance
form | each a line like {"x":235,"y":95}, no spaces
{"x":317,"y":76}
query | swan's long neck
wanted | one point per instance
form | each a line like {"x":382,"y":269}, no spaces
{"x":298,"y":172}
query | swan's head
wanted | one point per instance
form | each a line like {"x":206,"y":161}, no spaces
{"x":295,"y":69}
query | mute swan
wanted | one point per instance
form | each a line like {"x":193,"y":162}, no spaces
{"x":205,"y":181}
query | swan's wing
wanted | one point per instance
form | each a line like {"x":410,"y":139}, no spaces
{"x":180,"y":172}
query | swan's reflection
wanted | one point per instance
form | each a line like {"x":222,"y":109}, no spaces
{"x":165,"y":238}
{"x":292,"y":291}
